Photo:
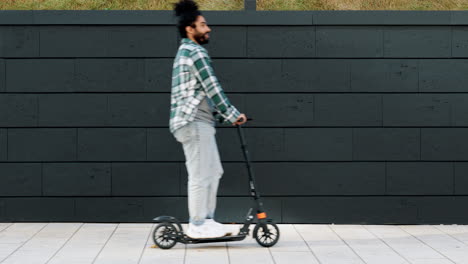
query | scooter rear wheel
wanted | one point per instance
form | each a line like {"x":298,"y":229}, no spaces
{"x":161,"y":235}
{"x":266,"y":234}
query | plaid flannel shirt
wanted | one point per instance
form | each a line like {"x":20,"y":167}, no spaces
{"x":193,"y":78}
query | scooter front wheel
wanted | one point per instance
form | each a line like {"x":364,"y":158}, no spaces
{"x":162,"y":235}
{"x":267,"y":234}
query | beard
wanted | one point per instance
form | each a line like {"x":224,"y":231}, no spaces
{"x":201,"y":38}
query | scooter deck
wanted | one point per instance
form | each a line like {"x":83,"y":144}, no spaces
{"x":188,"y":240}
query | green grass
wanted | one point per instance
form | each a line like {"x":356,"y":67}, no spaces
{"x":236,"y":4}
{"x":114,"y":4}
{"x":362,"y":4}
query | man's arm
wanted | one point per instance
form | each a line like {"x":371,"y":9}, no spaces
{"x":205,"y":74}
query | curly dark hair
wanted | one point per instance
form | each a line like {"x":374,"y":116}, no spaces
{"x":187,"y":12}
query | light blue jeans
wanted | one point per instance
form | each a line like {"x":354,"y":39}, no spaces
{"x":203,"y":166}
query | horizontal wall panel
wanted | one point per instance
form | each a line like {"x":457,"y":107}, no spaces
{"x":444,"y":144}
{"x":373,"y":210}
{"x":459,"y":109}
{"x":384,"y":75}
{"x":420,"y":178}
{"x":131,"y":209}
{"x":284,"y":109}
{"x":350,"y":41}
{"x":417,"y":109}
{"x":108,"y":41}
{"x":386,"y":144}
{"x":18,"y":110}
{"x":76,"y":179}
{"x":146,"y":179}
{"x":162,"y":145}
{"x":73,"y":41}
{"x":291,"y":41}
{"x":348,"y":110}
{"x":3,"y":144}
{"x":445,"y":209}
{"x":309,"y":144}
{"x":16,"y":17}
{"x":458,"y":17}
{"x":138,"y":109}
{"x":226,"y":42}
{"x":73,"y":110}
{"x":137,"y":41}
{"x":104,"y":209}
{"x":461,"y":177}
{"x":42,"y":144}
{"x":327,"y":178}
{"x":417,"y":42}
{"x":111,"y":144}
{"x":252,"y":75}
{"x":35,"y":209}
{"x":443,"y":75}
{"x":2,"y":76}
{"x":109,"y":75}
{"x":3,"y":209}
{"x":316,"y":75}
{"x":459,"y":40}
{"x":20,"y":179}
{"x":19,"y":41}
{"x":39,"y":75}
{"x":158,"y":75}
{"x":355,"y":210}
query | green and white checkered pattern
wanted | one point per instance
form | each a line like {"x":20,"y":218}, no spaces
{"x":193,"y":78}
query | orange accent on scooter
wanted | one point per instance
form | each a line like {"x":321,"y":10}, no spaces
{"x":261,"y":215}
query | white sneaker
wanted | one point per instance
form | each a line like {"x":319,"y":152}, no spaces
{"x":229,"y":230}
{"x":204,"y":231}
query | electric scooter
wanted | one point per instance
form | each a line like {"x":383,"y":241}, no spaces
{"x":266,"y":232}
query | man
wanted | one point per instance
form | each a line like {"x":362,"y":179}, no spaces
{"x":197,"y":101}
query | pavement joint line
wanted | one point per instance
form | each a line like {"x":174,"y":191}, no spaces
{"x":6,"y":227}
{"x":103,"y":246}
{"x":185,"y":252}
{"x":24,"y":243}
{"x":449,"y":259}
{"x":451,"y":236}
{"x":227,"y":250}
{"x":271,"y":255}
{"x":383,"y":241}
{"x":76,"y":231}
{"x":146,"y":243}
{"x":346,"y":243}
{"x":307,"y":244}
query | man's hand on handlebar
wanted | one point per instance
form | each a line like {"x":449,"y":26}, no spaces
{"x":240,"y":120}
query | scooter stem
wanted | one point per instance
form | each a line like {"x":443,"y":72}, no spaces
{"x":252,"y":183}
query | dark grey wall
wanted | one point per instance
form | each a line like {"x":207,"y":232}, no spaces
{"x":359,"y":117}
